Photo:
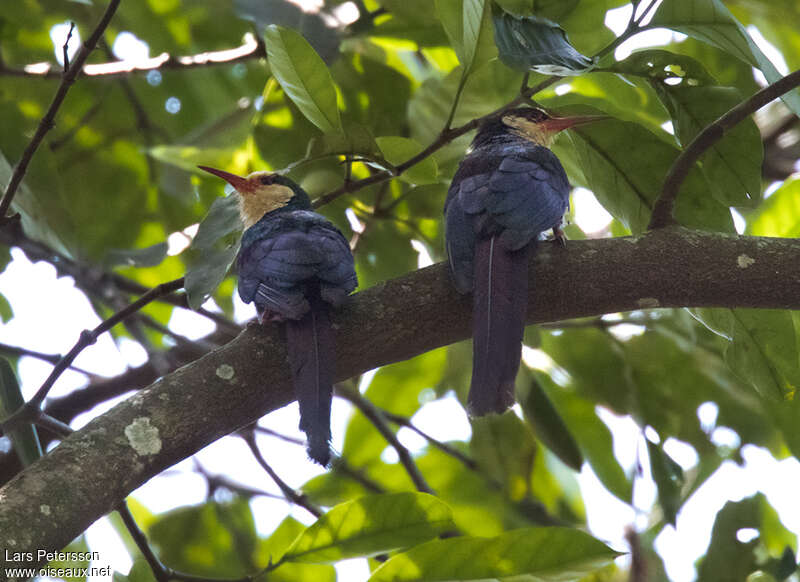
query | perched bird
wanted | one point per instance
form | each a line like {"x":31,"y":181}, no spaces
{"x":294,"y":265}
{"x":507,"y":190}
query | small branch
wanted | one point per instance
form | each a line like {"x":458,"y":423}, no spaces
{"x":379,"y":421}
{"x":88,"y":337}
{"x":159,"y":570}
{"x":47,"y":122}
{"x":249,"y":50}
{"x":66,"y":46}
{"x":276,"y":434}
{"x":444,"y":447}
{"x":290,"y":494}
{"x":53,"y":425}
{"x":49,"y":358}
{"x":663,"y":209}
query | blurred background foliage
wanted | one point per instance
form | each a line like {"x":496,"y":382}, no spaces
{"x":116,"y":180}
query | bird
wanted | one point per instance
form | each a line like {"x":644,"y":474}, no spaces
{"x":507,"y":190}
{"x":294,"y":265}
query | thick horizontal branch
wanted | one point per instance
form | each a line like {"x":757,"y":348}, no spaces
{"x":88,"y":474}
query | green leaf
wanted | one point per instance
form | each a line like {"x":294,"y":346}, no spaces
{"x":660,"y":65}
{"x":762,"y":349}
{"x":668,"y":477}
{"x":222,"y":220}
{"x":732,"y":166}
{"x":536,"y":44}
{"x":74,"y":566}
{"x":778,"y":215}
{"x":139,"y":572}
{"x":211,"y":540}
{"x":548,"y":425}
{"x":545,"y":554}
{"x":303,"y":76}
{"x":25,"y":438}
{"x":624,"y":165}
{"x":371,"y":525}
{"x":397,"y":150}
{"x":592,"y":436}
{"x":273,"y":548}
{"x":505,"y":449}
{"x":6,"y":311}
{"x":206,"y":273}
{"x":466,"y":23}
{"x":358,"y":140}
{"x":146,"y":257}
{"x":710,"y":21}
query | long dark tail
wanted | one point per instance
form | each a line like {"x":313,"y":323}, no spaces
{"x":500,"y":298}
{"x":311,"y":356}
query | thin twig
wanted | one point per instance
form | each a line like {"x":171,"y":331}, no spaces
{"x":53,"y":425}
{"x":290,"y":494}
{"x":161,"y":572}
{"x":665,"y":204}
{"x":249,"y":50}
{"x":379,"y":421}
{"x":49,"y":358}
{"x":47,"y":122}
{"x":89,"y":337}
{"x":66,"y":46}
{"x":278,"y":435}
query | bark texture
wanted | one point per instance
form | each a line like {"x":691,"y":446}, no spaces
{"x":87,"y":475}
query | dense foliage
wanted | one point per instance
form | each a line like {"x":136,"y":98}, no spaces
{"x":343,"y":107}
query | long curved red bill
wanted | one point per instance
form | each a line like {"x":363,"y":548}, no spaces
{"x":560,"y":123}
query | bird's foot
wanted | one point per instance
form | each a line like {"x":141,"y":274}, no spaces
{"x":558,"y":235}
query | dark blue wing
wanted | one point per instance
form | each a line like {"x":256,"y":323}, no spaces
{"x":286,"y":257}
{"x":516,"y":195}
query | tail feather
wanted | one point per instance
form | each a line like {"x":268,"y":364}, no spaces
{"x":500,"y":298}
{"x":311,"y":357}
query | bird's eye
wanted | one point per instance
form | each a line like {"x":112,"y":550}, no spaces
{"x":265,"y":180}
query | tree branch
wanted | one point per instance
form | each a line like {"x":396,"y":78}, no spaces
{"x":665,"y":204}
{"x":93,"y":470}
{"x":47,"y":122}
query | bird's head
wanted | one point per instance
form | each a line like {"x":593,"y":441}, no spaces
{"x":263,"y":192}
{"x":537,"y":126}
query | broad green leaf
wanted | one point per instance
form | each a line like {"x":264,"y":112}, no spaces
{"x":778,"y":215}
{"x":139,"y":572}
{"x":221,"y":221}
{"x":536,"y":44}
{"x":357,"y":140}
{"x":710,"y":21}
{"x":303,"y":76}
{"x":44,"y":217}
{"x":727,"y":558}
{"x":143,"y":517}
{"x":397,"y":150}
{"x":505,"y":449}
{"x":466,"y":23}
{"x":548,"y":425}
{"x":146,"y":257}
{"x":371,"y":525}
{"x":659,"y":64}
{"x":668,"y":477}
{"x":74,"y":566}
{"x":25,"y":438}
{"x":546,"y":554}
{"x":592,"y":436}
{"x":762,"y":349}
{"x":732,"y":166}
{"x":273,"y":548}
{"x":625,"y":165}
{"x":207,"y":272}
{"x":518,"y":7}
{"x":216,"y":540}
{"x":6,"y":311}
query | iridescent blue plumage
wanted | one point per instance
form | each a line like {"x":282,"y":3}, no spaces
{"x":507,"y":190}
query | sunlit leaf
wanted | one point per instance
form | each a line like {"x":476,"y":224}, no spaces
{"x":304,"y":76}
{"x":778,"y":215}
{"x":668,"y":477}
{"x":549,"y":554}
{"x":371,"y":525}
{"x":712,"y":22}
{"x":146,"y":257}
